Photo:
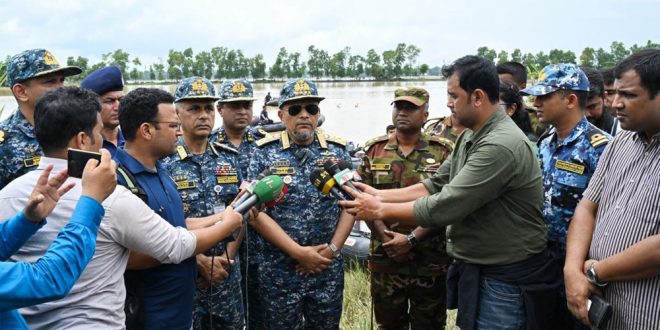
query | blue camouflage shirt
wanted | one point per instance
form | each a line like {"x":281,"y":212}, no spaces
{"x":566,"y":167}
{"x":19,"y":150}
{"x":206,"y":182}
{"x":245,"y":150}
{"x":305,"y":214}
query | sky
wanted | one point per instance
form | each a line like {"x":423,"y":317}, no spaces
{"x":443,"y":30}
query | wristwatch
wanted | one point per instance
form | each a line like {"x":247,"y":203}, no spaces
{"x":592,"y":277}
{"x":335,"y":250}
{"x":412,"y":239}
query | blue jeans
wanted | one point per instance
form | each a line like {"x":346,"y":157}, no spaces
{"x":500,"y":306}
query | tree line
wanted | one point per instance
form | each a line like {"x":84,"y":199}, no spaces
{"x":224,"y":63}
{"x":596,"y":58}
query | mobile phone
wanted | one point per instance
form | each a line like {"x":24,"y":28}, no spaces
{"x":600,"y":312}
{"x":77,"y":159}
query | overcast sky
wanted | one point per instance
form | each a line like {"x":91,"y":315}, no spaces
{"x":444,"y":30}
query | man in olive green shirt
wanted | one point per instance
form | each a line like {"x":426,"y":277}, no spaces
{"x":489,"y":194}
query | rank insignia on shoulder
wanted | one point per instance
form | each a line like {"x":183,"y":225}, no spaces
{"x":569,"y":167}
{"x":267,"y":139}
{"x":181,"y":151}
{"x":375,"y":140}
{"x":380,"y":167}
{"x":3,"y":136}
{"x":596,"y":137}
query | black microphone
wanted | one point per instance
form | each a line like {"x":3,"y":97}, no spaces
{"x":342,"y":176}
{"x":324,"y":182}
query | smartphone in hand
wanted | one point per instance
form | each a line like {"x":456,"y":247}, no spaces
{"x":77,"y":159}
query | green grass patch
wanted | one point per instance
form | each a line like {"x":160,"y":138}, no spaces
{"x":357,"y":299}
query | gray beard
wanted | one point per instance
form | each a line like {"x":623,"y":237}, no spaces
{"x":303,"y":136}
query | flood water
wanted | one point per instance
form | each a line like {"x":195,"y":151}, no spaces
{"x":357,"y":111}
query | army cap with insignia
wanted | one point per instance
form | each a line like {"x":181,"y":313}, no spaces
{"x":101,"y":81}
{"x":35,"y":63}
{"x":194,"y":88}
{"x":554,"y":77}
{"x":236,"y":90}
{"x":298,"y":89}
{"x":415,"y":95}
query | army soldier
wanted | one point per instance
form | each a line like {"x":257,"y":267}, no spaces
{"x":408,"y":263}
{"x":207,"y":178}
{"x":446,"y":127}
{"x":108,"y":83}
{"x":568,"y":153}
{"x":29,"y":74}
{"x":305,"y":231}
{"x":235,"y":108}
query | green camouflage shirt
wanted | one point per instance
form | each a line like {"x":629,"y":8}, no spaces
{"x":386,"y":167}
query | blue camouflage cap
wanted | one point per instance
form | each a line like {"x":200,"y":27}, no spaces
{"x":34,"y":63}
{"x":554,"y":77}
{"x":236,"y":90}
{"x":194,"y":88}
{"x":101,"y":81}
{"x":297,"y":89}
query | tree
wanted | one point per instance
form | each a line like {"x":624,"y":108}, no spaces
{"x":160,"y":69}
{"x":411,"y":53}
{"x":423,"y":69}
{"x":187,"y":64}
{"x":174,"y":64}
{"x":317,"y":62}
{"x":604,"y":59}
{"x":135,"y":75}
{"x":118,"y":58}
{"x":588,"y":57}
{"x":502,"y":57}
{"x":516,"y":56}
{"x":203,"y":65}
{"x":338,"y":63}
{"x":152,"y":73}
{"x":258,"y":67}
{"x":297,"y":67}
{"x":280,"y":68}
{"x":372,"y":63}
{"x":618,"y":51}
{"x":487,"y":53}
{"x":389,"y":57}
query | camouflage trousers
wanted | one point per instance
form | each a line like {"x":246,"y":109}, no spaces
{"x":409,"y":302}
{"x":220,"y":307}
{"x":293,"y":302}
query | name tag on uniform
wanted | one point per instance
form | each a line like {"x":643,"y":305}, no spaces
{"x":380,"y":167}
{"x":226,"y":179}
{"x":283,"y":170}
{"x":570,"y":167}
{"x":185,"y":185}
{"x":30,"y":162}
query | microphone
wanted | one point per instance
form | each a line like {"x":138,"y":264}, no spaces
{"x":343,"y":176}
{"x":270,"y":190}
{"x":250,"y":186}
{"x":324,"y":182}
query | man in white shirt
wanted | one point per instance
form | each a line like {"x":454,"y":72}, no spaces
{"x":69,"y":118}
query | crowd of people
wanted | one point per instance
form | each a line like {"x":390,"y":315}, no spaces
{"x":523,"y":208}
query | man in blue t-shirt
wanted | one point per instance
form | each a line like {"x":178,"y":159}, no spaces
{"x":150,"y":127}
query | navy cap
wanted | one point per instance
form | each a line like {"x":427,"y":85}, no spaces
{"x":36,"y":63}
{"x":297,"y":89}
{"x":554,"y":77}
{"x":194,"y":88}
{"x":101,"y":81}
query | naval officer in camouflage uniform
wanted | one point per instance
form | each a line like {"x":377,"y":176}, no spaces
{"x":235,"y":108}
{"x":29,"y":75}
{"x":568,"y":153}
{"x":408,"y":263}
{"x":207,"y":178}
{"x":301,"y":268}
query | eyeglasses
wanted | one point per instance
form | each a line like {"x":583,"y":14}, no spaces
{"x":403,"y":105}
{"x":311,"y":109}
{"x":504,"y":104}
{"x":172,"y":124}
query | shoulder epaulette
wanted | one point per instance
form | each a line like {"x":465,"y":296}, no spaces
{"x":545,"y":134}
{"x":268,"y":139}
{"x":449,"y":144}
{"x":181,"y":151}
{"x":3,"y":136}
{"x":597,"y":137}
{"x":215,"y":146}
{"x":335,"y":139}
{"x":375,"y":140}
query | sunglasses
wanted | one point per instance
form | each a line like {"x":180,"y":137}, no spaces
{"x":311,"y":109}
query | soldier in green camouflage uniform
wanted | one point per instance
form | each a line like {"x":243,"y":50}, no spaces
{"x":444,"y":127}
{"x":408,"y":263}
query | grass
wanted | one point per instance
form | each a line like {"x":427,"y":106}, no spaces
{"x":357,"y":300}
